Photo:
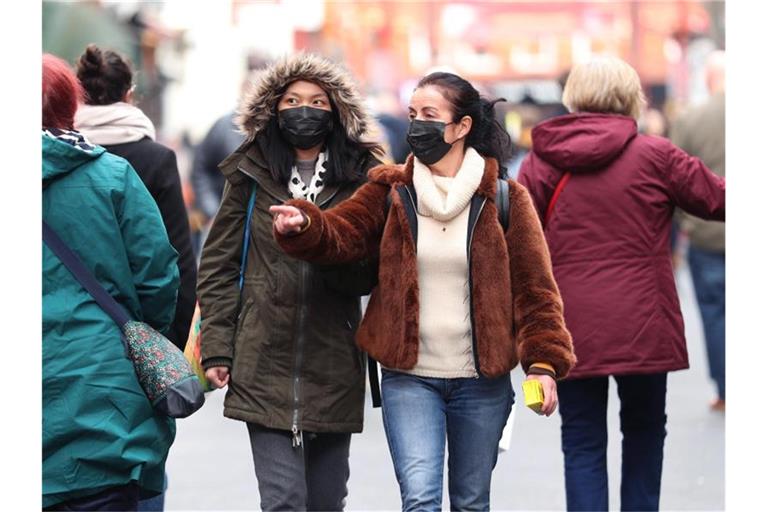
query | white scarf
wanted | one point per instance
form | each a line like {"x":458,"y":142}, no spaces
{"x":300,"y":190}
{"x":443,"y":198}
{"x":116,"y":123}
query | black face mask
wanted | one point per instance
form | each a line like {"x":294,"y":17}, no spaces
{"x":427,"y":140}
{"x":304,"y":127}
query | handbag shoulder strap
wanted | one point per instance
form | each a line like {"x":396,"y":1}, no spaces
{"x":247,"y":234}
{"x":84,"y":276}
{"x":558,"y":190}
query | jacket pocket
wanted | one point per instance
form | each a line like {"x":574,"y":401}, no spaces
{"x":241,"y":316}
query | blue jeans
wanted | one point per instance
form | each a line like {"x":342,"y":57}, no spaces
{"x":708,"y":274}
{"x":583,"y":405}
{"x":421,"y":413}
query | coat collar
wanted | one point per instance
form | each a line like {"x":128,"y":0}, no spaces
{"x":248,"y":160}
{"x":403,"y":174}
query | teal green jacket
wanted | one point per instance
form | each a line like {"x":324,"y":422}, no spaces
{"x":99,"y":429}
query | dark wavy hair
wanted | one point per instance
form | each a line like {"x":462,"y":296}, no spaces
{"x":487,"y":136}
{"x":106,"y":76}
{"x":345,"y":155}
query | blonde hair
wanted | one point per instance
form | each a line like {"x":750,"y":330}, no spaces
{"x":604,"y":85}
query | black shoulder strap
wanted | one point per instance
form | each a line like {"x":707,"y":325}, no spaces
{"x":408,"y":197}
{"x":502,"y":203}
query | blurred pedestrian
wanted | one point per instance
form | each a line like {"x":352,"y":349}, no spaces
{"x":285,"y":344}
{"x":109,"y":118}
{"x":454,"y":310}
{"x":701,"y":132}
{"x":206,"y":180}
{"x":222,"y":140}
{"x":103,"y":444}
{"x":606,"y":196}
{"x":390,"y":116}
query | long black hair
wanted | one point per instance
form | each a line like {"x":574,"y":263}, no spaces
{"x":345,"y":155}
{"x":487,"y":136}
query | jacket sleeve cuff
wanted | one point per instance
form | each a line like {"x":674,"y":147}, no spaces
{"x":303,"y":243}
{"x":217,"y":361}
{"x":542,"y":369}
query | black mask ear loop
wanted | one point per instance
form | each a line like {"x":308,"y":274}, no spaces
{"x":455,"y":141}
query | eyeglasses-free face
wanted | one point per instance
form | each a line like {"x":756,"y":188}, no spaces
{"x":304,"y":94}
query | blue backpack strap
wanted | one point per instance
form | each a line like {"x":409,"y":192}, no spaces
{"x":247,"y":234}
{"x":84,"y":276}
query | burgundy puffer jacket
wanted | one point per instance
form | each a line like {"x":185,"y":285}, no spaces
{"x":609,"y":233}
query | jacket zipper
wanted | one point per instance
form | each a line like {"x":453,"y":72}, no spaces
{"x":298,"y":435}
{"x":296,"y":432}
{"x":471,"y":306}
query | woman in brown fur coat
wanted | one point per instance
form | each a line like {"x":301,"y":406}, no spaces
{"x":459,"y":302}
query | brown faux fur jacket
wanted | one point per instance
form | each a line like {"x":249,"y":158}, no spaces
{"x":516,"y":305}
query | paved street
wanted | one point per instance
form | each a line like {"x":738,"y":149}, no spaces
{"x":210,"y":464}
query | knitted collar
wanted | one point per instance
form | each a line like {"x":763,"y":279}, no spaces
{"x":444,"y":198}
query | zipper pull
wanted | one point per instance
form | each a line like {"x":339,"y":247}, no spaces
{"x":297,"y":436}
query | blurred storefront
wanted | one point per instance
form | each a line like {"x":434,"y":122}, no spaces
{"x":386,"y":43}
{"x":192,"y":53}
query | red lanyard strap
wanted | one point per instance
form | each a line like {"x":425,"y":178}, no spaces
{"x":558,"y":189}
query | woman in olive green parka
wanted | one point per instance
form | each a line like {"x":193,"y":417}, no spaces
{"x":103,"y":444}
{"x":286,"y":348}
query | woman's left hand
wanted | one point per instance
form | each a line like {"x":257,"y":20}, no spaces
{"x":549,"y":386}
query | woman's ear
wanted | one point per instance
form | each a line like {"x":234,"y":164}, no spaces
{"x":464,"y":126}
{"x":128,"y":98}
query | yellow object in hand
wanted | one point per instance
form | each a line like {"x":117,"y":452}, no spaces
{"x":534,"y":395}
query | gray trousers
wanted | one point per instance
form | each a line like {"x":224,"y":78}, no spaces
{"x":310,"y":477}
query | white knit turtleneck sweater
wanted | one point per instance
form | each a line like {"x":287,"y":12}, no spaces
{"x":445,"y":331}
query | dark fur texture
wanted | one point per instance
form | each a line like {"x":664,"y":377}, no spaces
{"x":516,"y":303}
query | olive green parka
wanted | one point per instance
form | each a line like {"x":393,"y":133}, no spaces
{"x":289,"y":338}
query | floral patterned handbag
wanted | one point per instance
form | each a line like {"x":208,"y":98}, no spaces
{"x":164,"y":374}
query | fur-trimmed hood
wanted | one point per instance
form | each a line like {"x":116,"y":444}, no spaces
{"x":258,"y":104}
